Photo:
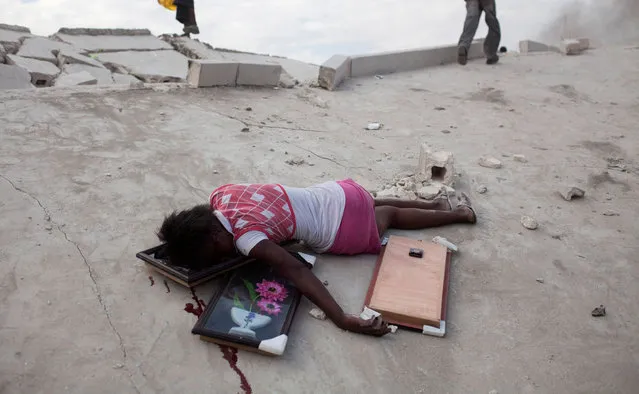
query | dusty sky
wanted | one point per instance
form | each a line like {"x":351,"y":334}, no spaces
{"x":310,"y":30}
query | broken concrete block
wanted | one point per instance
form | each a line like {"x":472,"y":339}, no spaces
{"x":208,"y":73}
{"x":334,"y":71}
{"x":489,"y":162}
{"x":103,"y":75}
{"x":570,"y":47}
{"x":529,"y":46}
{"x":125,"y":79}
{"x":570,"y":193}
{"x":42,"y":73}
{"x":317,"y":313}
{"x":428,"y":192}
{"x":43,"y":49}
{"x":258,"y":74}
{"x":3,"y":53}
{"x":113,"y":42}
{"x":79,"y":78}
{"x":150,"y":66}
{"x":520,"y":158}
{"x":436,"y":166}
{"x":287,"y":81}
{"x":584,"y":43}
{"x":11,"y":37}
{"x":14,"y":77}
{"x":66,"y":56}
{"x":396,"y":192}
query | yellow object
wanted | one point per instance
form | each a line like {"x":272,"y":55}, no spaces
{"x":168,"y":4}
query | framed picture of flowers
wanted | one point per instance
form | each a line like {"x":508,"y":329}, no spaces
{"x":253,"y":310}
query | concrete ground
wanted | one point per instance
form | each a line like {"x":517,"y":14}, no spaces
{"x":87,"y":175}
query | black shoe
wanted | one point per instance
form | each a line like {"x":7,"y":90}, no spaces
{"x":191,"y":29}
{"x":492,"y":60}
{"x":462,"y":56}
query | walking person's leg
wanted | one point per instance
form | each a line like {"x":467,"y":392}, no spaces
{"x":491,"y":44}
{"x":473,"y":13}
{"x":185,"y":14}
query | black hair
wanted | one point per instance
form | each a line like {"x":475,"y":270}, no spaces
{"x":189,"y":236}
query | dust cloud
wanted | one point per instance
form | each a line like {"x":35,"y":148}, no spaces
{"x":609,"y":22}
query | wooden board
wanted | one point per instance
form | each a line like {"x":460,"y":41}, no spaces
{"x":243,"y":313}
{"x":410,"y":291}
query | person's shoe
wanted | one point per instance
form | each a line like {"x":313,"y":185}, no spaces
{"x":462,"y":56}
{"x":191,"y":29}
{"x":493,"y":59}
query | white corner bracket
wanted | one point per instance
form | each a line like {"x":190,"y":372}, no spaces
{"x":435,"y":332}
{"x":274,"y":346}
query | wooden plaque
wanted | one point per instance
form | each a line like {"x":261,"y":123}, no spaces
{"x":253,"y":309}
{"x":410,"y":291}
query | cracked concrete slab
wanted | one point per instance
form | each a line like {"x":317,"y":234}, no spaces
{"x":43,"y":49}
{"x":14,"y":77}
{"x":113,"y":43}
{"x":304,"y":72}
{"x":42,"y":73}
{"x":79,"y":78}
{"x":103,"y":75}
{"x":73,"y":57}
{"x":150,"y":66}
{"x":11,"y":36}
{"x":107,"y":164}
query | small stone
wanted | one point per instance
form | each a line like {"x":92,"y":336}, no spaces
{"x":108,"y":174}
{"x":48,"y":302}
{"x":529,"y":223}
{"x":47,"y":218}
{"x":481,"y":189}
{"x":540,"y":280}
{"x":325,"y":283}
{"x":249,"y":109}
{"x":489,"y":162}
{"x":317,"y":314}
{"x":295,"y":162}
{"x":428,"y":192}
{"x":245,"y":130}
{"x":272,"y":150}
{"x":445,"y":131}
{"x":610,"y":213}
{"x":393,"y":329}
{"x":215,"y":172}
{"x":599,"y":311}
{"x":118,"y":366}
{"x":571,"y":193}
{"x":520,"y":158}
{"x":374,"y":126}
{"x":440,"y":109}
{"x":48,"y":228}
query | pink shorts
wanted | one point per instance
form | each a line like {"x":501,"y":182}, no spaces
{"x":357,"y":233}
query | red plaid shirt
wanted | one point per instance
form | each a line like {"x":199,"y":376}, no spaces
{"x":256,"y":207}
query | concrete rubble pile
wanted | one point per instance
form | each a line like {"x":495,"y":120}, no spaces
{"x":81,"y":56}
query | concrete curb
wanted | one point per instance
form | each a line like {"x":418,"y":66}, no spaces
{"x":530,"y":46}
{"x":210,"y":73}
{"x":340,"y":67}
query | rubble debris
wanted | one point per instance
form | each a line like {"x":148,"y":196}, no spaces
{"x":520,"y":158}
{"x":126,"y":79}
{"x":445,"y":131}
{"x":440,"y":109}
{"x":570,"y":47}
{"x":529,"y":223}
{"x":489,"y":162}
{"x":571,"y":193}
{"x":436,"y":166}
{"x":428,"y":192}
{"x":481,"y":189}
{"x":317,"y":313}
{"x":295,"y":162}
{"x":374,"y":126}
{"x":41,"y":48}
{"x":287,"y":81}
{"x":325,"y":283}
{"x":249,"y":109}
{"x":393,"y":328}
{"x":540,"y":280}
{"x":42,"y":73}
{"x":396,"y":192}
{"x":79,"y":78}
{"x":245,"y":130}
{"x":103,"y":75}
{"x":14,"y":77}
{"x":599,"y":311}
{"x":610,"y":212}
{"x":66,"y":56}
{"x":12,"y":35}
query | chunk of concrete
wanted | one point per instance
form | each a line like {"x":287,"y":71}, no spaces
{"x":529,"y":46}
{"x":334,"y":71}
{"x":125,"y":79}
{"x":571,"y":193}
{"x":570,"y":47}
{"x":3,"y":53}
{"x":79,"y":78}
{"x":390,"y":62}
{"x":258,"y":74}
{"x":14,"y":77}
{"x":208,"y":73}
{"x":113,"y":43}
{"x":66,"y":56}
{"x":43,"y":49}
{"x":103,"y":75}
{"x":584,"y":43}
{"x":11,"y":37}
{"x":149,"y":66}
{"x":42,"y":73}
{"x":489,"y":162}
{"x":435,"y":166}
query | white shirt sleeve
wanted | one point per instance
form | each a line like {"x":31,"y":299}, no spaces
{"x":247,"y":242}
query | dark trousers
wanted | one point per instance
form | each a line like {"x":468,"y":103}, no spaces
{"x":183,"y":12}
{"x":474,"y":9}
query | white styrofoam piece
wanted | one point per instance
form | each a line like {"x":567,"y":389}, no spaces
{"x":275,"y":345}
{"x":434,"y":331}
{"x":368,"y":313}
{"x":446,"y":243}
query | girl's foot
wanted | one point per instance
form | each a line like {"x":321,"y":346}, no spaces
{"x":464,"y":207}
{"x":191,"y":29}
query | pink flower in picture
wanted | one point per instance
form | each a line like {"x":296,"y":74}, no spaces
{"x":268,"y":306}
{"x":272,"y":290}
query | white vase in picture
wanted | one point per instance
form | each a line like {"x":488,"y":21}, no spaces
{"x":247,"y":322}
